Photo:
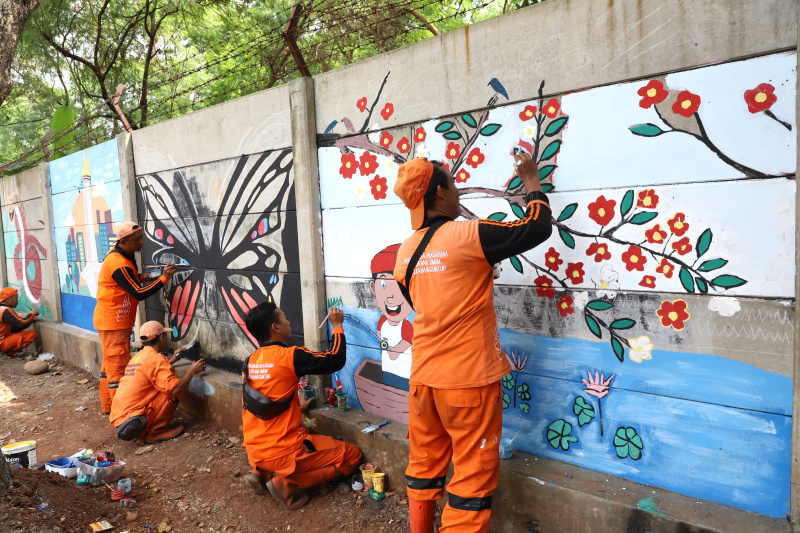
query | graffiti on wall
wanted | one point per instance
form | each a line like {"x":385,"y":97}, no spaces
{"x":656,"y":242}
{"x":87,"y":206}
{"x":24,"y":255}
{"x":224,"y":226}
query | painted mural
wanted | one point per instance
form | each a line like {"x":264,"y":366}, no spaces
{"x":87,"y":206}
{"x":230,"y":227}
{"x":640,"y":335}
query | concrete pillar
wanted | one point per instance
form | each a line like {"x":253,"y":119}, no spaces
{"x":49,"y":242}
{"x":127,"y":177}
{"x":3,"y":265}
{"x":795,"y":476}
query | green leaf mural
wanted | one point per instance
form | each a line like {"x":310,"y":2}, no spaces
{"x":594,"y":327}
{"x":727,"y":282}
{"x":627,"y":203}
{"x":703,"y":242}
{"x":551,"y":150}
{"x":508,"y":381}
{"x":702,"y":286}
{"x":516,"y":182}
{"x":686,"y":279}
{"x":497,"y":216}
{"x":619,"y":350}
{"x":556,"y":126}
{"x":567,"y":238}
{"x":490,"y":129}
{"x":628,"y":443}
{"x":567,"y":212}
{"x":506,"y":400}
{"x":583,"y":410}
{"x":547,"y":187}
{"x":452,"y":135}
{"x":545,"y":171}
{"x":712,"y":264}
{"x":444,"y":126}
{"x":558,"y":434}
{"x":523,"y":392}
{"x":516,"y":263}
{"x":623,"y":323}
{"x":525,"y":408}
{"x":642,"y":218}
{"x":599,"y":305}
{"x":469,"y":120}
{"x":517,"y":210}
{"x":646,"y":130}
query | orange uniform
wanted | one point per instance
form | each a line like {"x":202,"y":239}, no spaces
{"x":280,"y":445}
{"x":455,"y":401}
{"x":146,"y":385}
{"x":12,"y":337}
{"x":119,"y":291}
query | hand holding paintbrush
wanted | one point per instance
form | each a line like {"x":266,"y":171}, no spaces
{"x":336,"y":316}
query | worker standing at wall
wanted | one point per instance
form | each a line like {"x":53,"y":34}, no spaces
{"x":12,"y":337}
{"x":455,"y":399}
{"x":119,"y":291}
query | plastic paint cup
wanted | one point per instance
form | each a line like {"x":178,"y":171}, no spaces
{"x":125,"y":485}
{"x":20,"y":453}
{"x":367,"y":469}
{"x":310,"y":391}
{"x":330,"y":396}
{"x":341,"y":401}
{"x":505,"y":448}
{"x":377,"y":481}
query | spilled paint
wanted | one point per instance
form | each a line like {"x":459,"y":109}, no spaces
{"x":647,"y":504}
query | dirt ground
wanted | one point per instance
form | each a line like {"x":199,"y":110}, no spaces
{"x":192,"y":483}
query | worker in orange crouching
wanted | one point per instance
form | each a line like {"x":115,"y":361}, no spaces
{"x":12,"y":337}
{"x":120,"y":288}
{"x":285,"y":457}
{"x":455,"y":399}
{"x":149,"y":391}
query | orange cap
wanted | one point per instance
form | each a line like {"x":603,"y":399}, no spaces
{"x":7,"y":293}
{"x":413,"y":179}
{"x":151,"y":330}
{"x":127,"y":228}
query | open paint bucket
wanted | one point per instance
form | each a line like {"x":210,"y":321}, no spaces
{"x":21,"y":453}
{"x":367,"y":469}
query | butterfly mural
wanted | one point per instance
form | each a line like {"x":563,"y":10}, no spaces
{"x":228,"y":259}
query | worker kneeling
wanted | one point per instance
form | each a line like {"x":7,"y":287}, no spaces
{"x":276,"y":440}
{"x":149,"y":391}
{"x":12,"y":337}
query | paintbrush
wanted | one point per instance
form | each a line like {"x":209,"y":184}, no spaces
{"x":374,"y":427}
{"x":324,"y":320}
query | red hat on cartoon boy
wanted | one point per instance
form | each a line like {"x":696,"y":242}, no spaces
{"x":384,"y":260}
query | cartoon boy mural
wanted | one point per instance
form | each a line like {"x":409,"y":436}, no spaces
{"x":396,"y":332}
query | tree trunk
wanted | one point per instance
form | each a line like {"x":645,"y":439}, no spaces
{"x":13,"y":16}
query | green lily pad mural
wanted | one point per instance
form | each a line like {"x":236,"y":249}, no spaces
{"x":583,"y":410}
{"x":628,"y":443}
{"x":558,"y":434}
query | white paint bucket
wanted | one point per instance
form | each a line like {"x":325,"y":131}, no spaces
{"x":21,"y":453}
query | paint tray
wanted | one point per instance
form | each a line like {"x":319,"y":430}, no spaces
{"x":99,"y":476}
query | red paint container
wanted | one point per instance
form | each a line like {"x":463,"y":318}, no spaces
{"x":330,"y":396}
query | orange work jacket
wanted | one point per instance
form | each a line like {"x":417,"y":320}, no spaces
{"x":11,"y":322}
{"x":147,"y":375}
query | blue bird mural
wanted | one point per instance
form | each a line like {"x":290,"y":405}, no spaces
{"x":331,"y":126}
{"x":498,"y":87}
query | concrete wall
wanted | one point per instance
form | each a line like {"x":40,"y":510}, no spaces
{"x":651,"y":336}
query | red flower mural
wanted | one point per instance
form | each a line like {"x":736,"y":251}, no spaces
{"x":686,"y":105}
{"x":674,"y":314}
{"x":446,"y":165}
{"x":544,"y":287}
{"x":552,"y":259}
{"x":528,"y":113}
{"x":362,"y":104}
{"x":387,"y":111}
{"x":386,"y":140}
{"x":655,"y":235}
{"x":565,"y":305}
{"x":649,"y":282}
{"x":419,"y":134}
{"x":379,"y":187}
{"x":453,"y":150}
{"x":368,"y":163}
{"x":682,"y":246}
{"x":634,"y":259}
{"x":462,"y":176}
{"x":648,"y":199}
{"x":475,"y":158}
{"x":551,"y":108}
{"x":761,"y":98}
{"x":575,"y":273}
{"x":403,"y":145}
{"x":652,"y":93}
{"x":678,"y":224}
{"x":600,"y":252}
{"x":666,"y":268}
{"x":349,"y":165}
{"x":602,"y":210}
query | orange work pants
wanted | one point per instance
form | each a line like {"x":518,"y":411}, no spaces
{"x":462,"y":425}
{"x":116,"y":356}
{"x":12,"y":343}
{"x":330,"y":452}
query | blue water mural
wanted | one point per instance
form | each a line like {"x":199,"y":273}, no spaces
{"x":697,"y":424}
{"x":78,"y":310}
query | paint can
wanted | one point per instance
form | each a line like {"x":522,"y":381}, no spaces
{"x":367,"y":469}
{"x":127,"y":502}
{"x":310,"y":392}
{"x":341,"y":401}
{"x":20,"y":453}
{"x":505,"y":449}
{"x":330,"y":396}
{"x":377,"y":481}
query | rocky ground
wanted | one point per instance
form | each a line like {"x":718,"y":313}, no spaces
{"x":192,"y":483}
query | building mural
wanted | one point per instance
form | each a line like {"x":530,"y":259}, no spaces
{"x":651,"y":336}
{"x":87,"y":206}
{"x":230,"y":226}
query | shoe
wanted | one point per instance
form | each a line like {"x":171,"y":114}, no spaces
{"x":159,"y":432}
{"x":255,"y":481}
{"x":290,"y":495}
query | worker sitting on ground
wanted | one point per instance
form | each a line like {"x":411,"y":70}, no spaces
{"x":276,"y":440}
{"x":149,"y":391}
{"x":12,"y":337}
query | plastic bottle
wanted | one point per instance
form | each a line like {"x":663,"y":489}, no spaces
{"x":125,"y":485}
